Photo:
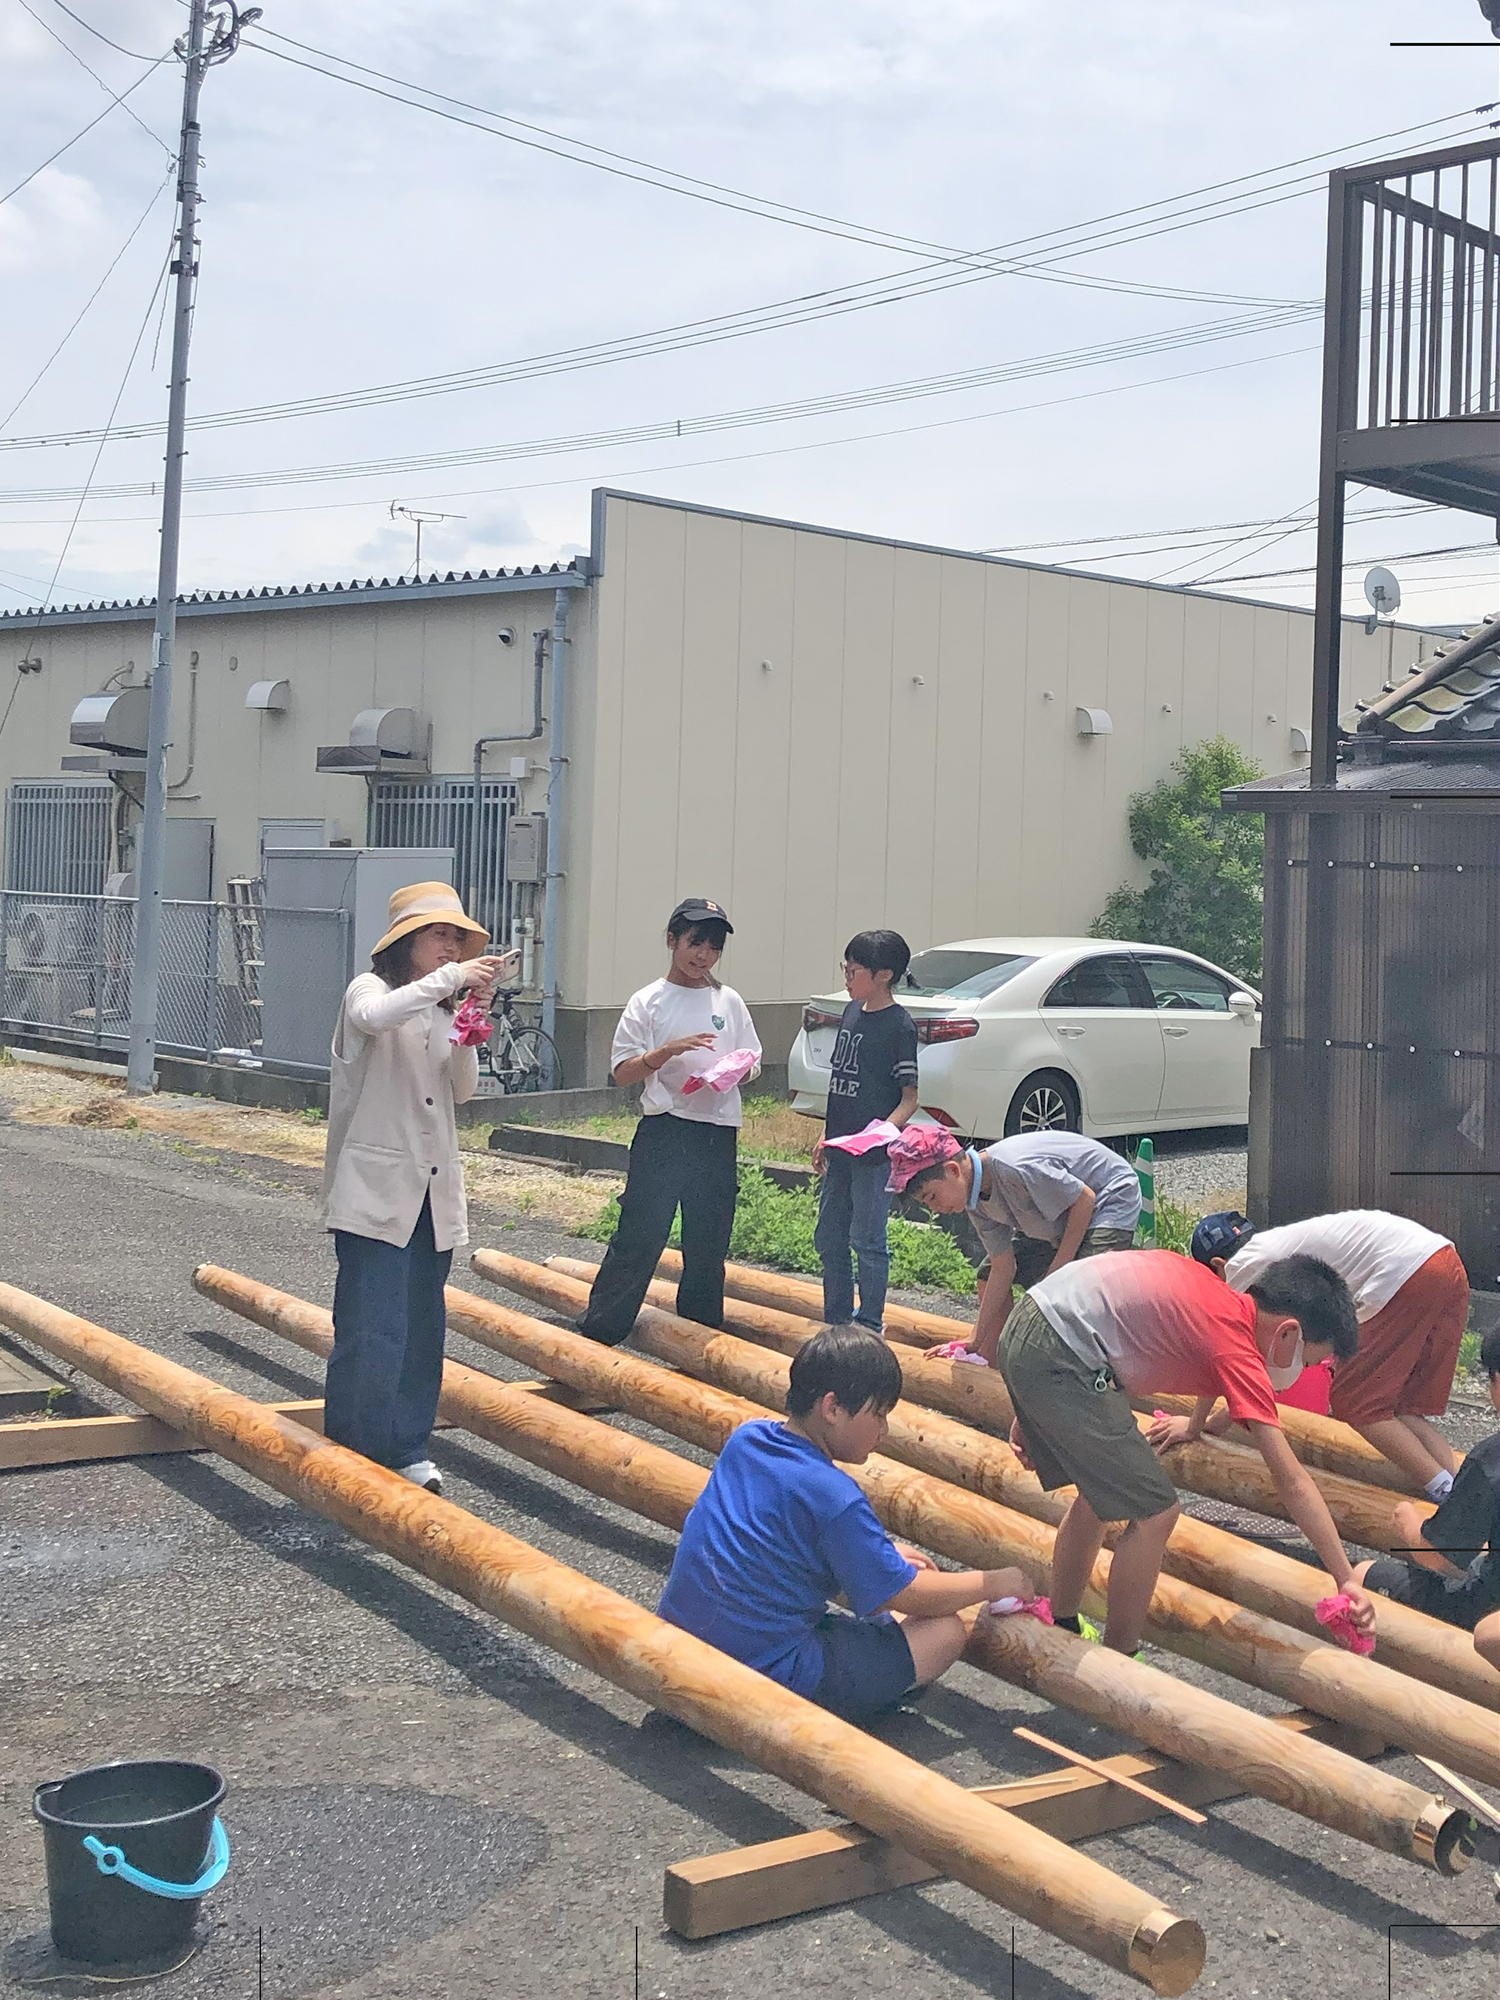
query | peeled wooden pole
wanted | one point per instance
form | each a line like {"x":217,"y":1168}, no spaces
{"x":1318,"y":1441}
{"x":1233,"y":1472}
{"x":1187,"y":1723}
{"x":1210,"y":1558}
{"x":1028,"y":1872}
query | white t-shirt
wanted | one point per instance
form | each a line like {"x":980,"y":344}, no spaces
{"x":662,"y":1012}
{"x":1374,"y":1253}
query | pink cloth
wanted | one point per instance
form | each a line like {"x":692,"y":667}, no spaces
{"x":916,"y":1147}
{"x":956,"y":1350}
{"x":879,"y":1132}
{"x":1336,"y":1614}
{"x":725,"y":1074}
{"x":1008,"y":1607}
{"x":471,"y":1025}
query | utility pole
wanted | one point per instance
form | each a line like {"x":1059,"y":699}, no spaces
{"x":206,"y":41}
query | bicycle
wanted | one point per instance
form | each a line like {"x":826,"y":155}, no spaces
{"x":520,"y":1059}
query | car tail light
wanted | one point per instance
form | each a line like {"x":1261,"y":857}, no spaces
{"x":943,"y":1117}
{"x":947,"y":1028}
{"x":817,"y":1017}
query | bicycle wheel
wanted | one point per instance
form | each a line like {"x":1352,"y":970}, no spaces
{"x":532,"y":1063}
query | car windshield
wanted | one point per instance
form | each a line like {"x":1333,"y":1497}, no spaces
{"x":961,"y":975}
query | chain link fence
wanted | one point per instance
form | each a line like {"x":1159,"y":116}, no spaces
{"x":239,"y":982}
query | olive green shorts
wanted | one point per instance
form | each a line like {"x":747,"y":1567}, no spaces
{"x":1034,"y":1258}
{"x":1078,"y":1424}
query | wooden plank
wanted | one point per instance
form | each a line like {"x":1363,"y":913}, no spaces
{"x":24,"y":1386}
{"x":76,"y":1440}
{"x":1115,"y":1777}
{"x":811,"y":1871}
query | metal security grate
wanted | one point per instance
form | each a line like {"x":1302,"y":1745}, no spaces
{"x":439,"y":812}
{"x":58,"y":835}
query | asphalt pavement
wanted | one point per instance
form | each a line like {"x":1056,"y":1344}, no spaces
{"x":421,"y":1801}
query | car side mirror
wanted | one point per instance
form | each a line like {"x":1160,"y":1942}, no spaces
{"x":1243,"y":1004}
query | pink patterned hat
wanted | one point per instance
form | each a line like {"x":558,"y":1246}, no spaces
{"x":919,"y":1147}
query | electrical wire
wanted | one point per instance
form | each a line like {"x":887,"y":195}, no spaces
{"x":41,"y":372}
{"x":135,"y":349}
{"x":610,"y":161}
{"x":837,"y":301}
{"x":99,"y":33}
{"x":68,"y":144}
{"x":67,"y":50}
{"x":830,"y":405}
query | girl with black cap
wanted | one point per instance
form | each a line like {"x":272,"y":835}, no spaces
{"x":678,"y":1037}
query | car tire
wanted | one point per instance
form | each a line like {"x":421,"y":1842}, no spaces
{"x":1046,"y":1102}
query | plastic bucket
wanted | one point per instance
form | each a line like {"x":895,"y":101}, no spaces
{"x":131,"y":1848}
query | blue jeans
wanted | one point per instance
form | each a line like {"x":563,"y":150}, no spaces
{"x":386,"y":1369}
{"x":852,"y":1210}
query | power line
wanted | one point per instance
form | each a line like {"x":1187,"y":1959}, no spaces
{"x":115,"y":102}
{"x":837,"y":301}
{"x":828,"y":405}
{"x":99,"y":33}
{"x":47,"y":29}
{"x":25,"y":393}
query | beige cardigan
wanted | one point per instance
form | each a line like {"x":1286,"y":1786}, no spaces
{"x":392,"y":1141}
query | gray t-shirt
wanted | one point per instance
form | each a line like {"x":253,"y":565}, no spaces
{"x":1035,"y":1180}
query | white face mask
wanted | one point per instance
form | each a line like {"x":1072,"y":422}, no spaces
{"x":1283,"y":1378}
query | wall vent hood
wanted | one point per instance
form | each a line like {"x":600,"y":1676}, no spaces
{"x":380,"y":739}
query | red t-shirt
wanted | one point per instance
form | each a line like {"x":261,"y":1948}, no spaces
{"x":1162,"y":1325}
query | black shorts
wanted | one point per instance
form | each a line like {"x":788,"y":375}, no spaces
{"x":1457,"y":1600}
{"x":867,"y":1665}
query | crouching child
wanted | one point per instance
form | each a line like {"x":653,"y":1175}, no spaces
{"x":1148,"y":1322}
{"x":779,"y":1530}
{"x":1450,"y":1565}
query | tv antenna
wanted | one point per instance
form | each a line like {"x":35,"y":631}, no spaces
{"x":1382,"y":594}
{"x":419,"y":518}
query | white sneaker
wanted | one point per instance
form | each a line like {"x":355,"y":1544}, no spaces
{"x":423,"y":1473}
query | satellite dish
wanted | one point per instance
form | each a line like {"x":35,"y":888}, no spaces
{"x":1382,"y":592}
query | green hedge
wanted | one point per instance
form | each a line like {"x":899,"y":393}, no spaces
{"x":775,"y":1226}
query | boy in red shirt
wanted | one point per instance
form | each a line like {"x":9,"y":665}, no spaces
{"x":1148,"y":1322}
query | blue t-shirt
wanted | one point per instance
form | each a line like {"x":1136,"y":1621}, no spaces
{"x":777,"y":1532}
{"x":874,"y":1062}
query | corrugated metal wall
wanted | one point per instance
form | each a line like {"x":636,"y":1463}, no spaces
{"x":1382,"y":1019}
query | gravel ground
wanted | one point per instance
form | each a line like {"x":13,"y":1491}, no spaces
{"x":401,"y":1818}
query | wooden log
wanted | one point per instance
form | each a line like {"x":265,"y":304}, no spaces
{"x":1210,"y":1558}
{"x":839,"y":1864}
{"x":1232,"y":1472}
{"x":1317,"y":1441}
{"x":1325,"y":1786}
{"x":1040,"y":1879}
{"x":977,"y":1531}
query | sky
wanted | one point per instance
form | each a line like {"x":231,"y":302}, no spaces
{"x":349,"y":241}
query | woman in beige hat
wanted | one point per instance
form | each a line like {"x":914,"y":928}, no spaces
{"x":393,"y":1188}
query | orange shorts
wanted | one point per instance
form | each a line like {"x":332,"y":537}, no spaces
{"x":1409,"y":1351}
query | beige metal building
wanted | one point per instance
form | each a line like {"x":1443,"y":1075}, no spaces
{"x":821,"y":730}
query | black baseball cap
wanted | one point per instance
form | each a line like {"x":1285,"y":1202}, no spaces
{"x":698,"y":910}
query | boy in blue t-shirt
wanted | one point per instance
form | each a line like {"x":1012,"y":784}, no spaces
{"x":874,"y":1075}
{"x":779,"y":1530}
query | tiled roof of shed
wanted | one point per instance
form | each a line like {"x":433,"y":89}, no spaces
{"x":1454,"y":696}
{"x":300,"y":592}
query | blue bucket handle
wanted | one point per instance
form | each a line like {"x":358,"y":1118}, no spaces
{"x":111,"y":1861}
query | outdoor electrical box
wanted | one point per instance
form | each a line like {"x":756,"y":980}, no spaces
{"x":526,"y":848}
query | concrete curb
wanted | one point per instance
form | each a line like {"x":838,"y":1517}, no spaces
{"x":591,"y":1155}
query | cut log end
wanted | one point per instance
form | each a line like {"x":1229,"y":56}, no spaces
{"x":1167,"y":1952}
{"x":1438,"y":1838}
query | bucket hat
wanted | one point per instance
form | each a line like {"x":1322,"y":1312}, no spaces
{"x":422,"y":903}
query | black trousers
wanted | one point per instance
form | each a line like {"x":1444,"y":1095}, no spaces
{"x":674,"y":1162}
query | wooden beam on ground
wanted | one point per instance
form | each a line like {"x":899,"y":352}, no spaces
{"x":840,"y":1864}
{"x":1224,"y":1565}
{"x":994,"y":1853}
{"x":1174,"y":1718}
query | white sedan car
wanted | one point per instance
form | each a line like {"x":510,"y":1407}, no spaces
{"x":1037,"y":1034}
